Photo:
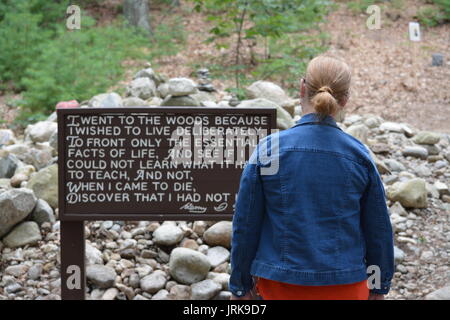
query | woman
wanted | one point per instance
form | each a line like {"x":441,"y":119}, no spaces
{"x":317,"y":226}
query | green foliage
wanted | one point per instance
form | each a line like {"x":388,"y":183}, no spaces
{"x":276,"y":25}
{"x":79,"y":64}
{"x":49,"y":63}
{"x":360,"y":6}
{"x":433,"y":15}
{"x":289,"y":59}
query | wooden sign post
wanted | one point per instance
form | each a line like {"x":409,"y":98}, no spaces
{"x":148,"y":163}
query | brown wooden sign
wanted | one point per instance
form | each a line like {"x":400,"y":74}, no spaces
{"x":148,"y":163}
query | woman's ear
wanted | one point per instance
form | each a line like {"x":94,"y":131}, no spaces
{"x":344,"y":101}
{"x":302,"y":88}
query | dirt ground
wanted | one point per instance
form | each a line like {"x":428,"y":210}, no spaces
{"x":392,"y":76}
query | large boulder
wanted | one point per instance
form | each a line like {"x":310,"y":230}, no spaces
{"x":219,"y":234}
{"x":181,"y":87}
{"x":134,"y":102}
{"x":188,"y":266}
{"x":44,"y":183}
{"x":106,"y":100}
{"x":284,"y":119}
{"x":182,"y":101}
{"x":267,"y":90}
{"x":43,"y":213}
{"x":411,"y":193}
{"x":143,"y":88}
{"x":25,"y":233}
{"x":15,"y":205}
{"x":149,"y":73}
{"x":41,"y":131}
{"x":8,"y":164}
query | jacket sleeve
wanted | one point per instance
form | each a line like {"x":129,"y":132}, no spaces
{"x":246,"y":229}
{"x":378,"y":234}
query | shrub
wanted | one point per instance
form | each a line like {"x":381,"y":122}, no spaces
{"x":79,"y":64}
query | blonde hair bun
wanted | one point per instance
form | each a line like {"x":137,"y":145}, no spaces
{"x":327,"y":82}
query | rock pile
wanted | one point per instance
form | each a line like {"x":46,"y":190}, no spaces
{"x":190,"y":260}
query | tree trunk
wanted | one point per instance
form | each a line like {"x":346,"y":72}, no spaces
{"x":136,"y":13}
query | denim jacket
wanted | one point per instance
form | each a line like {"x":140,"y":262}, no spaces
{"x":312,"y":212}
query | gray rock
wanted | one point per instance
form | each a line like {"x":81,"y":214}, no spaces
{"x":5,"y":184}
{"x":437,"y":59}
{"x":180,"y":292}
{"x":110,"y":294}
{"x":44,"y":183}
{"x":7,"y":137}
{"x":14,"y":288}
{"x":359,"y":131}
{"x":154,"y":281}
{"x":134,"y":102}
{"x":143,"y":88}
{"x":433,"y":150}
{"x":181,"y":87}
{"x":284,"y":119}
{"x":100,"y":275}
{"x":217,"y":255}
{"x":34,"y":273}
{"x":399,"y":255}
{"x":41,"y":131}
{"x":223,"y":295}
{"x":93,"y":255}
{"x":167,"y":235}
{"x":205,"y":290}
{"x":440,"y":294}
{"x":267,"y":90}
{"x":442,"y":188}
{"x":148,"y":73}
{"x":221,"y":278}
{"x":43,"y":213}
{"x":53,"y":141}
{"x":417,"y":152}
{"x":219,"y":234}
{"x":25,"y":233}
{"x":8,"y":164}
{"x":188,"y":266}
{"x":16,"y":270}
{"x":161,"y":295}
{"x":182,"y":101}
{"x":426,"y":137}
{"x":163,"y":90}
{"x":134,"y":280}
{"x":15,"y":205}
{"x":394,"y":165}
{"x":106,"y":100}
{"x":411,"y":193}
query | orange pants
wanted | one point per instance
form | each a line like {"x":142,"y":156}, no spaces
{"x":274,"y":290}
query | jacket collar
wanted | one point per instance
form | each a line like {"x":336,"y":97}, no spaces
{"x":314,"y":119}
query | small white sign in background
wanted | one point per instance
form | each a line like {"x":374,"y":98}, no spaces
{"x":414,"y":31}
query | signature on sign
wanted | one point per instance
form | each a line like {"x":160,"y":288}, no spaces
{"x":221,"y":207}
{"x":194,"y":209}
